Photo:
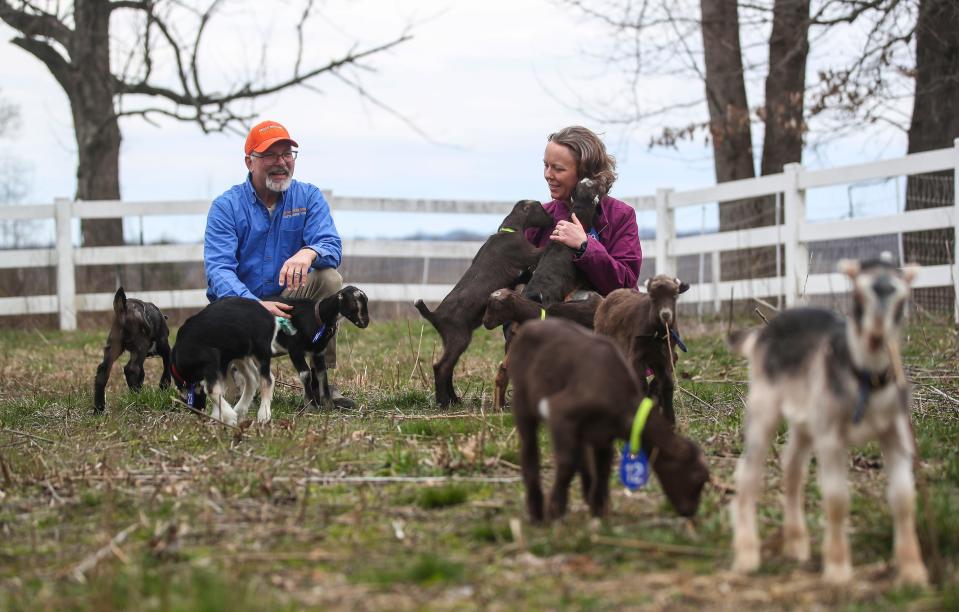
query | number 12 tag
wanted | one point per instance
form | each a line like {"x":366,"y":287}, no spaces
{"x":633,"y":469}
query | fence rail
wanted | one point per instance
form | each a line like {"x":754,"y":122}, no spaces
{"x":795,"y":233}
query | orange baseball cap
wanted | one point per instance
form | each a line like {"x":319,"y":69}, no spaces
{"x":264,"y":135}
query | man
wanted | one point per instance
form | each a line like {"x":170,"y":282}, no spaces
{"x":273,"y":235}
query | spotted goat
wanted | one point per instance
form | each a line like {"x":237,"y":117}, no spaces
{"x":838,"y":382}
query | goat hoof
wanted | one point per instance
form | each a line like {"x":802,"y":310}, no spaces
{"x":746,"y":562}
{"x":914,"y":574}
{"x":837,"y":573}
{"x":796,"y":546}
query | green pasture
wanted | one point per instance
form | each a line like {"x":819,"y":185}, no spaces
{"x":399,"y":504}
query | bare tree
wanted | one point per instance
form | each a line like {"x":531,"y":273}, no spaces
{"x":654,"y":37}
{"x":74,"y":41}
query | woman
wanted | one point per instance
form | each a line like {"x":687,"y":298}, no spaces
{"x":610,"y":254}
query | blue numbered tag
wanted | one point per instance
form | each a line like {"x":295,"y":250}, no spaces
{"x":319,"y":334}
{"x":190,"y":396}
{"x":633,"y":469}
{"x":594,"y":233}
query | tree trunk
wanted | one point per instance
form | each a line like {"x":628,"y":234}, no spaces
{"x":785,"y":86}
{"x":95,"y":122}
{"x":934,"y":125}
{"x":729,"y":127}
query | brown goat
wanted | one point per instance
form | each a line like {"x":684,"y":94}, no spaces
{"x":580,"y":385}
{"x":500,"y":262}
{"x":556,"y":276}
{"x":506,"y":305}
{"x":637,"y":322}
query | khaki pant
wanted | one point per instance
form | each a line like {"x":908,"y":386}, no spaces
{"x":320,"y":283}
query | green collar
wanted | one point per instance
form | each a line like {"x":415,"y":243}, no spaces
{"x":639,"y":422}
{"x":508,"y":230}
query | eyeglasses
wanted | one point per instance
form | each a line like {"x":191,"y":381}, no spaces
{"x":272,"y":158}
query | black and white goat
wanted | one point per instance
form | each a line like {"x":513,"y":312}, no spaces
{"x":315,"y":325}
{"x":838,"y":382}
{"x":232,"y":332}
{"x":139,"y":328}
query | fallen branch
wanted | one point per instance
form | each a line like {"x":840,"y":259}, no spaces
{"x":678,"y":549}
{"x":943,"y":393}
{"x":93,"y":560}
{"x":27,"y":435}
{"x":398,"y":479}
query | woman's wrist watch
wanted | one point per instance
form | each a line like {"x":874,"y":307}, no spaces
{"x":582,"y":249}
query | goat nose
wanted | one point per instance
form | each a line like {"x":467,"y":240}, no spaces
{"x":666,"y":315}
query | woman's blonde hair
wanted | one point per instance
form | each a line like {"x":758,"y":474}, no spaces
{"x":592,"y":160}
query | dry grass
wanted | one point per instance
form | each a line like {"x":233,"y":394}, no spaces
{"x":399,"y":504}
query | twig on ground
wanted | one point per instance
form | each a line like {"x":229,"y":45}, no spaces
{"x":943,"y":393}
{"x":91,"y":561}
{"x":17,"y":432}
{"x":766,"y":304}
{"x":695,"y":397}
{"x":332,"y":479}
{"x":658,"y":547}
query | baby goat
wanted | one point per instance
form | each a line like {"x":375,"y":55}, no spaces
{"x":501,"y":262}
{"x":580,"y":385}
{"x":838,"y":382}
{"x":638,"y":322}
{"x":505,"y":305}
{"x":140,"y":328}
{"x":230,"y":332}
{"x":315,"y":325}
{"x":556,"y":276}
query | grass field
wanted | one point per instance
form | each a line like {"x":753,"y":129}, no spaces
{"x":399,"y":504}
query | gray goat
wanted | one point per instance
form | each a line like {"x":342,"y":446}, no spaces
{"x":838,"y":382}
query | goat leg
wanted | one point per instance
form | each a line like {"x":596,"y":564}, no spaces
{"x":111,"y":352}
{"x":163,"y":349}
{"x":499,"y":386}
{"x":526,"y":427}
{"x":602,"y":459}
{"x":321,"y":382}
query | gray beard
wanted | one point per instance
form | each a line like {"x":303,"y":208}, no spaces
{"x":278,"y":186}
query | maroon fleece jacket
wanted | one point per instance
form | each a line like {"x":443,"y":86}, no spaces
{"x":613,"y":261}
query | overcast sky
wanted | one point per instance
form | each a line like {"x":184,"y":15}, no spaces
{"x":489,"y":80}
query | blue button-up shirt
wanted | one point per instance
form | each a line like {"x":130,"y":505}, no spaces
{"x":244,"y":247}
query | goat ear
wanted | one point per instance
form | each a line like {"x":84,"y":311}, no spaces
{"x":909,"y":272}
{"x":648,"y":283}
{"x":849,"y":267}
{"x":683,"y":287}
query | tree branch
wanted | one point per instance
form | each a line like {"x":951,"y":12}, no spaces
{"x":42,"y":23}
{"x":58,"y":66}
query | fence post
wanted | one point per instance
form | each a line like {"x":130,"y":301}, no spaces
{"x":717,"y":278}
{"x":665,"y":233}
{"x":955,"y":243}
{"x":66,"y":278}
{"x":794,"y":217}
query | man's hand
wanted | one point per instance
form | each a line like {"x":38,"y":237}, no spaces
{"x":570,"y":233}
{"x":294,"y":270}
{"x":277,"y":309}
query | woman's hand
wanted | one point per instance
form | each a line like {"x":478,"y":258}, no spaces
{"x":570,"y":233}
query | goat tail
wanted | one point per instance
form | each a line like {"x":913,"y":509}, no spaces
{"x":424,"y":310}
{"x":742,"y":341}
{"x":120,"y":301}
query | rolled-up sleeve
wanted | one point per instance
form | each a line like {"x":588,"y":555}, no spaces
{"x":220,"y":245}
{"x":319,"y":232}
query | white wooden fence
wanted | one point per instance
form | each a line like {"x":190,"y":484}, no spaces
{"x":795,"y":234}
